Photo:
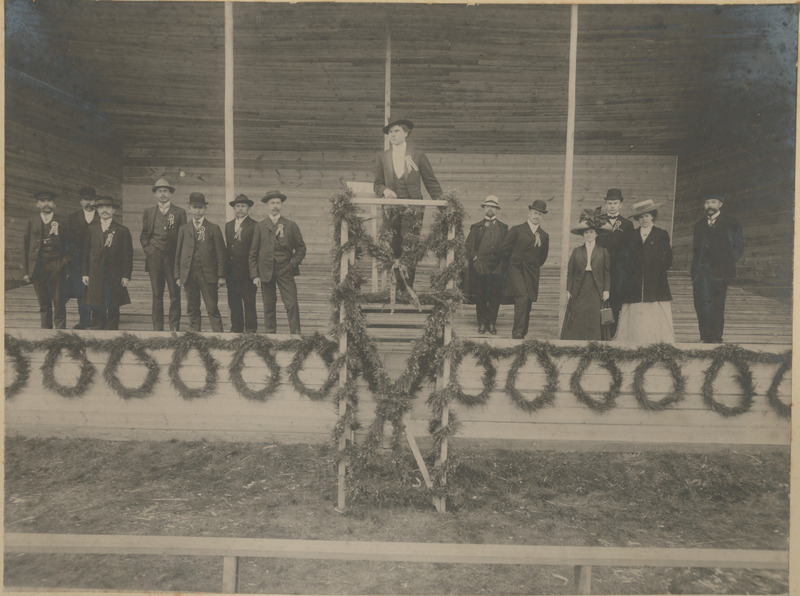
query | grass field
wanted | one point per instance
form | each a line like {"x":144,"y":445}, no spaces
{"x":720,"y":500}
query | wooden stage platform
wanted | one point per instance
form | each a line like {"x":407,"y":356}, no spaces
{"x":750,"y":319}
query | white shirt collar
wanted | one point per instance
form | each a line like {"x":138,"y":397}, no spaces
{"x":105,"y":224}
{"x":199,"y":223}
{"x":401,"y":148}
{"x":164,"y":209}
{"x":713,"y":218}
{"x":532,"y":226}
{"x":275,"y":219}
{"x":89,"y":215}
{"x":46,"y":218}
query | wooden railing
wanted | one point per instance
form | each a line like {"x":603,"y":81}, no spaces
{"x":583,"y":558}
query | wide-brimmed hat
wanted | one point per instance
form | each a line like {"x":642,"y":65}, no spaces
{"x":197,"y":199}
{"x":591,"y":219}
{"x":87,"y":193}
{"x":107,"y":201}
{"x":491,"y":201}
{"x":538,"y":205}
{"x":642,"y":207}
{"x":45,"y":195}
{"x":401,"y":121}
{"x":614,"y":194}
{"x":273,"y":194}
{"x":720,"y":198}
{"x":241,"y":199}
{"x":162,"y":183}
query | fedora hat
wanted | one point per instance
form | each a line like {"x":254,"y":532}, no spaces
{"x":87,"y":193}
{"x":273,"y":194}
{"x":107,"y":201}
{"x":401,"y":121}
{"x":642,"y":207}
{"x":614,"y":194}
{"x":720,"y":198}
{"x":491,"y":201}
{"x":241,"y":199}
{"x":538,"y":205}
{"x":197,"y":199}
{"x":45,"y":195}
{"x":162,"y":183}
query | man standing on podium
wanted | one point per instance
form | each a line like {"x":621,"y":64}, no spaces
{"x":241,"y":291}
{"x":620,"y":227}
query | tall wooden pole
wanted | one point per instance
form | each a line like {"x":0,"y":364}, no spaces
{"x":230,"y":184}
{"x":570,"y":158}
{"x":344,"y":267}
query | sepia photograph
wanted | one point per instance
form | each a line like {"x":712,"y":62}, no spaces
{"x":398,"y":297}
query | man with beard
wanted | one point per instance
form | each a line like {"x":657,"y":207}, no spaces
{"x":620,"y":226}
{"x":275,"y":256}
{"x":486,"y":263}
{"x":159,"y":238}
{"x":241,"y":291}
{"x":107,"y":266}
{"x":46,"y":252}
{"x":718,"y":244}
{"x":78,"y":222}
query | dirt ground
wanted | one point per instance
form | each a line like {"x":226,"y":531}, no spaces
{"x":720,"y":500}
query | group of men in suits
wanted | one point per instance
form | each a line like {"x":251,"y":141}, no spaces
{"x":505,"y":262}
{"x":192,"y":255}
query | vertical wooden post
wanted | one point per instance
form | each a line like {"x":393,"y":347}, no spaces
{"x":444,"y":380}
{"x":230,"y":183}
{"x":343,"y":403}
{"x":230,"y":575}
{"x":568,"y":169}
{"x":373,"y":213}
{"x":583,"y":579}
{"x":387,"y":111}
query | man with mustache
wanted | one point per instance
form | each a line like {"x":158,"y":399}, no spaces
{"x":718,"y":244}
{"x":78,"y":222}
{"x":46,"y":252}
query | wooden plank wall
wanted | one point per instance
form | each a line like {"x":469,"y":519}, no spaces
{"x":311,"y":178}
{"x":53,"y":142}
{"x":287,"y":416}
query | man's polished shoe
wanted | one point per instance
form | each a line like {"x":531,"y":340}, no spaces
{"x":481,"y":328}
{"x":492,"y":329}
{"x":517,"y":337}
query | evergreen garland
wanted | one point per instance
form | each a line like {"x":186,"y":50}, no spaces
{"x":186,"y":343}
{"x":668,"y":356}
{"x":77,"y":351}
{"x":772,"y":393}
{"x":22,"y":366}
{"x":302,"y":348}
{"x":116,"y":349}
{"x":264,"y":348}
{"x":548,"y":393}
{"x":735,"y":356}
{"x":605,"y":357}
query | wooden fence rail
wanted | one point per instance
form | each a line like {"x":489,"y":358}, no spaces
{"x":583,"y":558}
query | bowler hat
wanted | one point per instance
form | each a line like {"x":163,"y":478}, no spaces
{"x":273,"y":194}
{"x":241,"y":199}
{"x":197,"y":199}
{"x":538,"y":205}
{"x":44,"y":195}
{"x":614,"y":194}
{"x":162,"y":183}
{"x":107,"y":201}
{"x":642,"y":207}
{"x":720,"y":198}
{"x":491,"y":201}
{"x":401,"y":121}
{"x":88,"y":193}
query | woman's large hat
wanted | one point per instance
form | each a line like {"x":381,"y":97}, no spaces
{"x":591,"y":220}
{"x":642,"y":207}
{"x":401,"y":121}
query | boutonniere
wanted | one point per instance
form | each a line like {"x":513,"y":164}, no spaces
{"x":201,"y":234}
{"x":537,"y":239}
{"x":279,"y":231}
{"x":109,"y":239}
{"x":410,"y":164}
{"x":54,"y":228}
{"x":170,"y":221}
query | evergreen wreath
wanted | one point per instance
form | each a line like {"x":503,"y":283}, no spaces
{"x":772,"y":393}
{"x":264,"y":348}
{"x":668,"y":356}
{"x":184,"y":344}
{"x":324,"y":348}
{"x":734,"y":355}
{"x":548,"y":393}
{"x":76,"y":348}
{"x":116,"y":349}
{"x":22,"y":366}
{"x":605,"y":358}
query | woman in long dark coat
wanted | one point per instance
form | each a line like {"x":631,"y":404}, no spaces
{"x":646,"y":315}
{"x":588,"y":281}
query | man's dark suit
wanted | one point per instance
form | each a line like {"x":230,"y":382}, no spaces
{"x":487,"y":267}
{"x":199,"y":264}
{"x":275,"y":256}
{"x":44,"y":260}
{"x":717,"y":248}
{"x":612,"y":242}
{"x":160,"y":264}
{"x":107,"y":259}
{"x":418,"y":171}
{"x":79,"y":232}
{"x":241,"y":291}
{"x":526,"y":253}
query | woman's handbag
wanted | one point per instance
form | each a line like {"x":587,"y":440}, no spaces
{"x":606,"y":314}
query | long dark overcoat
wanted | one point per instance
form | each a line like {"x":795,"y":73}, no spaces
{"x":114,"y":260}
{"x":525,"y":256}
{"x":644,"y":267}
{"x":78,"y":232}
{"x":238,"y":249}
{"x":723,"y":260}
